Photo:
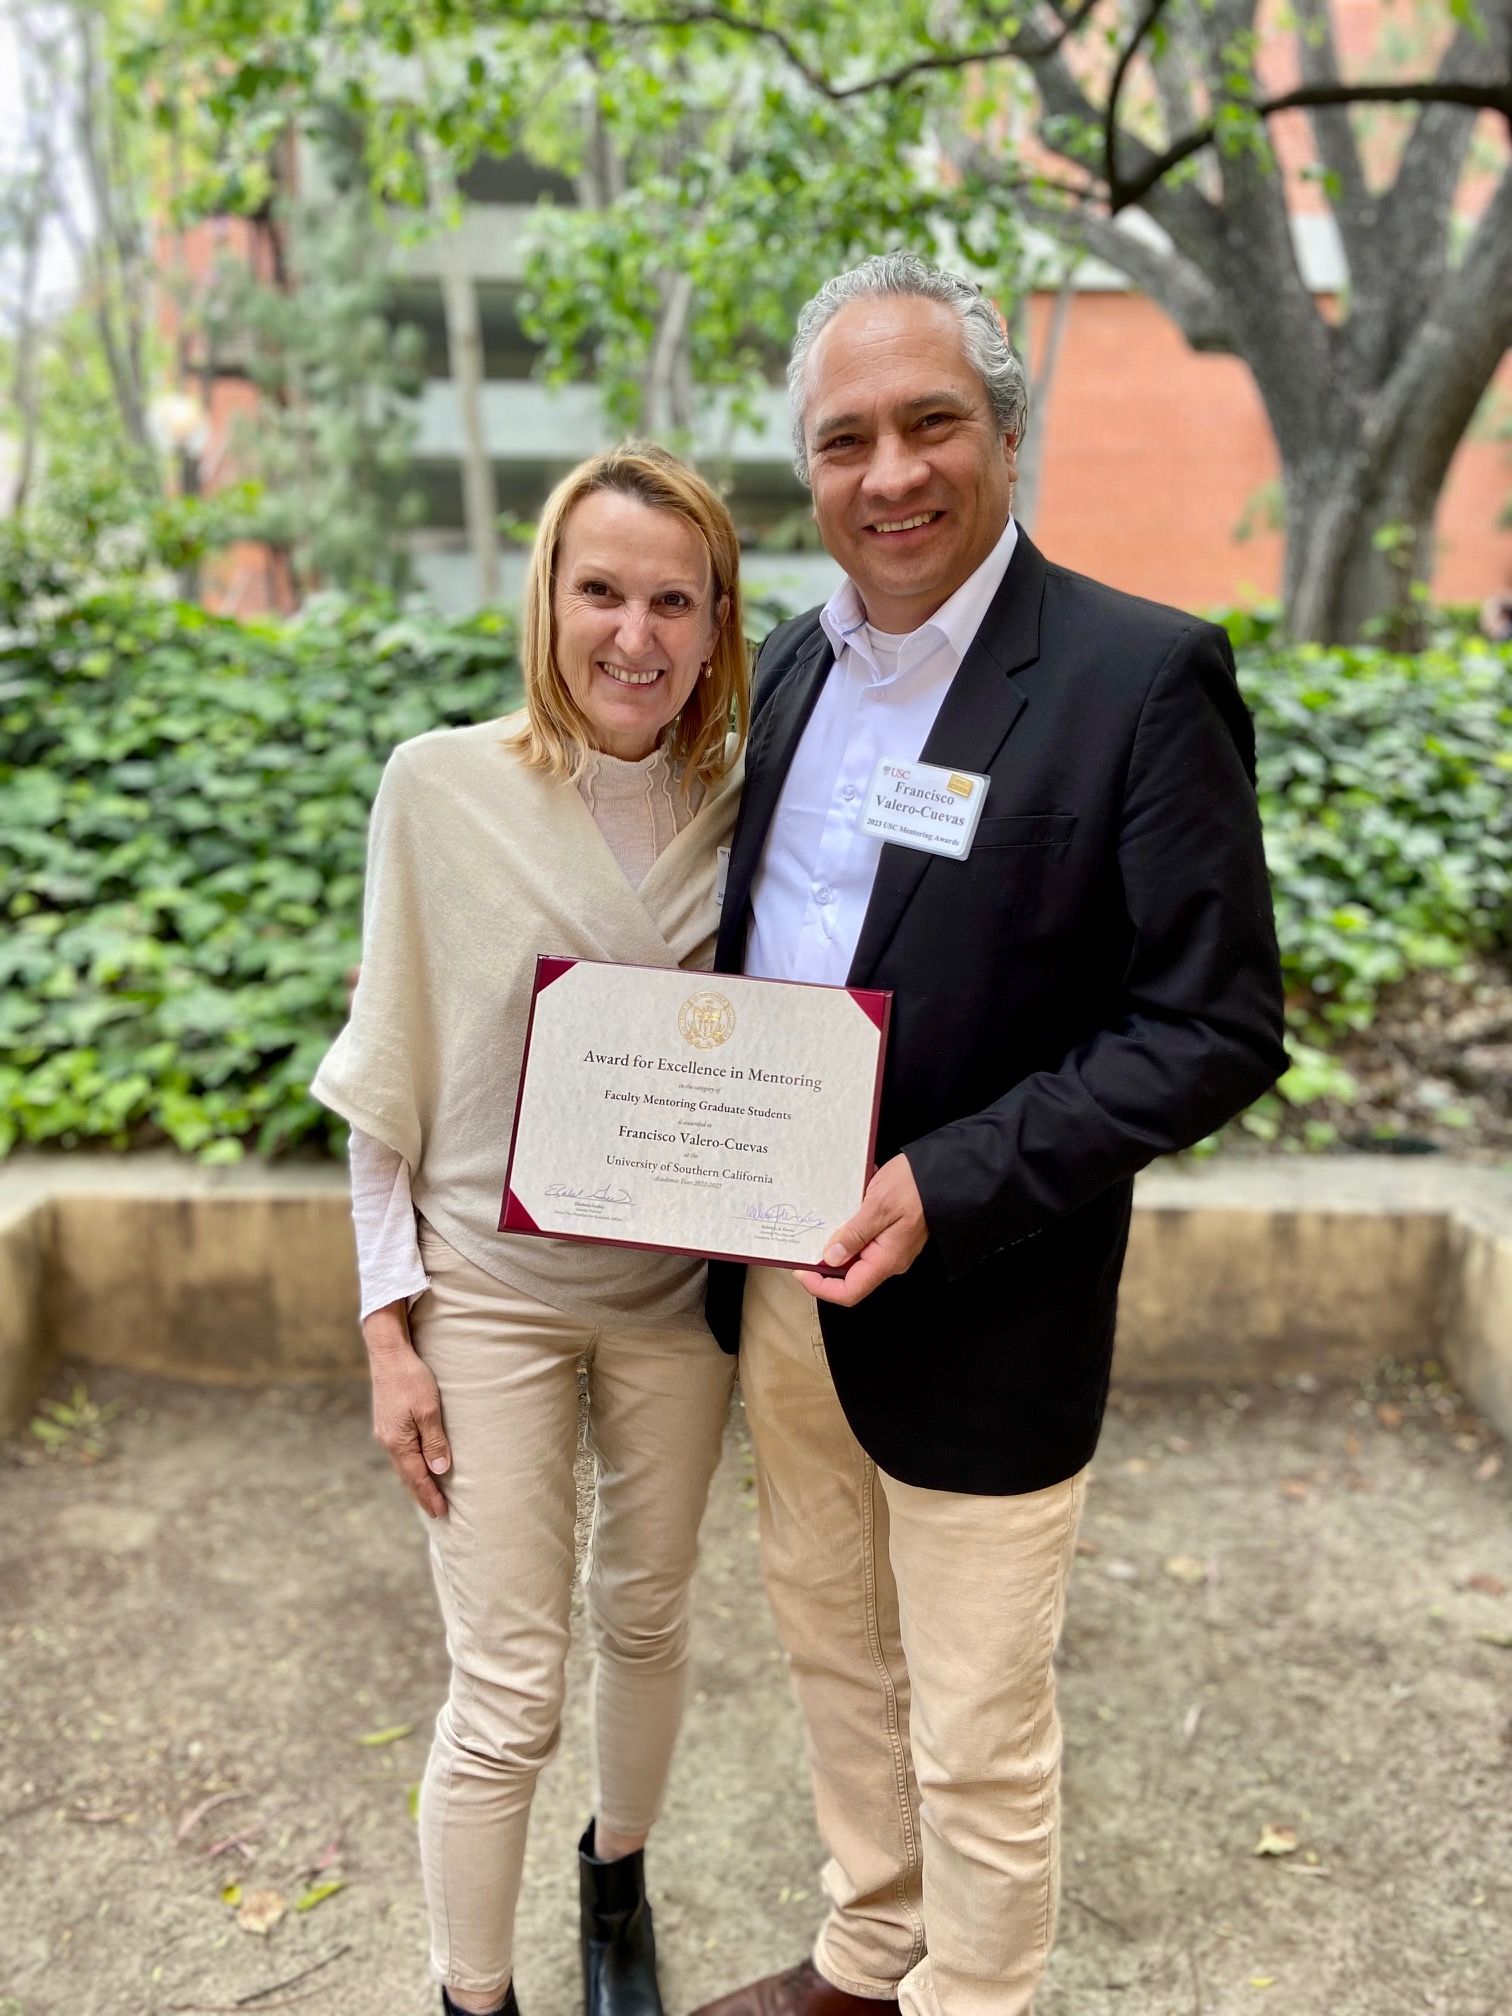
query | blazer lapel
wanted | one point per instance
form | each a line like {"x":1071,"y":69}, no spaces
{"x":975,"y":719}
{"x":773,"y":742}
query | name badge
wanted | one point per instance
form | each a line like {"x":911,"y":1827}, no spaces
{"x":920,"y":805}
{"x":721,"y":875}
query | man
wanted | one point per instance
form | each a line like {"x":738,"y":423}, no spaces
{"x":1095,"y":983}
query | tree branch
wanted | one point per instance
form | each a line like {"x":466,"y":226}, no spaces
{"x":1020,"y":46}
{"x":1445,"y":367}
{"x":1171,"y":280}
{"x":1333,"y":134}
{"x":1146,"y":23}
{"x":1495,"y":96}
{"x":1184,"y":212}
{"x":1433,"y":159}
{"x":1176,"y":87}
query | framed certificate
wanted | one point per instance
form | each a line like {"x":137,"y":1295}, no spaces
{"x":694,"y":1112}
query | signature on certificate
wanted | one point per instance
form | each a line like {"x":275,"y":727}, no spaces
{"x":603,"y":1193}
{"x":778,"y":1214}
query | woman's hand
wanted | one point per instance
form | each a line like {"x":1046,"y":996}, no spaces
{"x":406,"y":1407}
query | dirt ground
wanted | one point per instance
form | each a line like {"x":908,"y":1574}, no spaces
{"x":1292,"y":1612}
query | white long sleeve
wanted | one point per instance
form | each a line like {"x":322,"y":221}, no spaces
{"x":389,"y":1268}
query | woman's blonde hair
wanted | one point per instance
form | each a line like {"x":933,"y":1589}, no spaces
{"x":556,"y":736}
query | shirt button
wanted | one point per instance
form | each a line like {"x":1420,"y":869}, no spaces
{"x":824,"y":893}
{"x":849,"y":793}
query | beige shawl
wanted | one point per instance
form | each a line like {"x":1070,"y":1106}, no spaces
{"x":476,"y":863}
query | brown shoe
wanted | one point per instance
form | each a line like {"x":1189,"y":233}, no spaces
{"x":801,"y":1991}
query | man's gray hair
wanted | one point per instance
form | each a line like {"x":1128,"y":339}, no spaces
{"x":991,"y":354}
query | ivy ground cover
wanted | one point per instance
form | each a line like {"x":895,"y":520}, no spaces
{"x":183,"y":804}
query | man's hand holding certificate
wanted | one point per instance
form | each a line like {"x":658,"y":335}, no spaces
{"x":694,"y":1112}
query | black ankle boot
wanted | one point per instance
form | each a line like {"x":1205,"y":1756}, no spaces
{"x":619,"y":1946}
{"x":508,"y":2007}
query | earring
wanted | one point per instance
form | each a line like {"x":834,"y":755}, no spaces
{"x":707,"y":668}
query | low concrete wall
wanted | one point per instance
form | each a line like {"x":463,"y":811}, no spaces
{"x":26,"y":1329}
{"x":1478,"y":1314}
{"x":1236,"y":1271}
{"x":1232,"y":1293}
{"x":218,"y":1286}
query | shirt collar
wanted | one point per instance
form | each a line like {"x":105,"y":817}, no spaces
{"x":954,"y":623}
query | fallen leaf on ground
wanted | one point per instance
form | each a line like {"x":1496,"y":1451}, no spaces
{"x":1487,"y":1585}
{"x":376,"y":1738}
{"x":1351,"y":1445}
{"x":318,"y":1894}
{"x":260,"y":1911}
{"x":1295,"y":1488}
{"x":1186,"y":1568}
{"x":1178,"y":1445}
{"x":1087,"y":1547}
{"x":1497,"y":1634}
{"x":231,"y":1895}
{"x":1136,"y":1466}
{"x":1121,"y":1571}
{"x":1276,"y":1841}
{"x":1467,"y":1444}
{"x":1389,"y":1415}
{"x":1262,"y":1980}
{"x":1484,"y":1472}
{"x":413,"y":1801}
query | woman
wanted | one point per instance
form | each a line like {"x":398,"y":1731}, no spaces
{"x":587,"y":824}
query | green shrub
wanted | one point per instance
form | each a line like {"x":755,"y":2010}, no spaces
{"x":1386,"y":791}
{"x":183,"y":802}
{"x":183,"y":805}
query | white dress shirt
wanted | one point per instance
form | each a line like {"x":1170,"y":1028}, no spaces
{"x":880,"y":699}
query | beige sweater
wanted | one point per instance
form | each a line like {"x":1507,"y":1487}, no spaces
{"x":475,"y":865}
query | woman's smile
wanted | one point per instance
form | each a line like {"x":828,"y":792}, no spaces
{"x":626,"y":675}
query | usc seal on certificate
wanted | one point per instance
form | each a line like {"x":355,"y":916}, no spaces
{"x":737,"y":1121}
{"x":706,"y":1020}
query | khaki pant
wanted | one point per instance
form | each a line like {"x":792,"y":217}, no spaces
{"x":920,"y":1628}
{"x":507,"y":1367}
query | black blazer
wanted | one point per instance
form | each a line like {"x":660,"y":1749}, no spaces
{"x":1095,"y":985}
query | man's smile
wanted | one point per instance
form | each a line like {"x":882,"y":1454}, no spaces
{"x":895,"y":528}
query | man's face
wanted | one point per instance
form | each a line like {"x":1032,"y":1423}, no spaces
{"x":912,"y":480}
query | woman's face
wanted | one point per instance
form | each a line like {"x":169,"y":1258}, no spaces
{"x":633,"y":617}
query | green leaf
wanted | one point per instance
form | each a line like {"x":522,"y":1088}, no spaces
{"x":318,"y":1893}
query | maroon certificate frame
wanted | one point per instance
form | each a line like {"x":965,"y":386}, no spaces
{"x":710,"y":1114}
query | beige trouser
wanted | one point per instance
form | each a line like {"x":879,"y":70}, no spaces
{"x":920,"y":1628}
{"x":507,"y":1367}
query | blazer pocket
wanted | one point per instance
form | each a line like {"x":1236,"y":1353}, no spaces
{"x":1026,"y":829}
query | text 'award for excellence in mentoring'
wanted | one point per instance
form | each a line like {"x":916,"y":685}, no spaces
{"x":694,"y":1112}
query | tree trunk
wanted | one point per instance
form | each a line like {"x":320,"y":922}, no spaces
{"x":24,"y":379}
{"x":1355,"y":557}
{"x":464,"y":343}
{"x":1367,"y":406}
{"x":480,"y":505}
{"x":1031,"y":454}
{"x":667,"y":403}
